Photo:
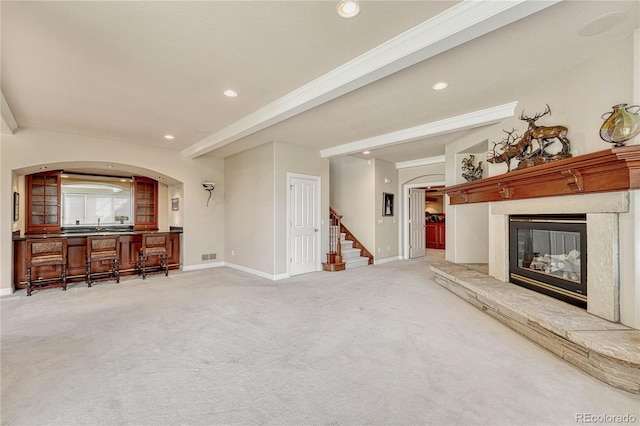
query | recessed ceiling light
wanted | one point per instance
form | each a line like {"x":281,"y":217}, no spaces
{"x":230,"y":93}
{"x":43,"y":168}
{"x":170,"y":137}
{"x":348,"y":8}
{"x":440,"y":85}
{"x":110,"y":166}
{"x":366,"y":152}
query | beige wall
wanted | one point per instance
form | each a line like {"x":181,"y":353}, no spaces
{"x":577,"y":97}
{"x":467,"y":226}
{"x":353,"y":196}
{"x":249,"y":208}
{"x":204,"y":226}
{"x":357,"y":186}
{"x":386,"y":228}
{"x":300,"y":160}
{"x":256,"y":204}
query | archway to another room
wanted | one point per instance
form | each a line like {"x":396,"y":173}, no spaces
{"x":423,"y":220}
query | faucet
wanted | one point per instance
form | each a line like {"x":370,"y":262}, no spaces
{"x":98,"y":228}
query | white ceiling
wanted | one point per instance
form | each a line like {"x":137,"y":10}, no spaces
{"x":135,"y":71}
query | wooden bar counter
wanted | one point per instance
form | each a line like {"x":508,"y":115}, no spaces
{"x":130,"y":242}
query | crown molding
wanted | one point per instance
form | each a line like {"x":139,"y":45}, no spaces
{"x":9,"y":124}
{"x":438,"y":159}
{"x":457,"y":25}
{"x":448,"y":125}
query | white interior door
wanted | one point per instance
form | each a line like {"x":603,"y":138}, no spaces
{"x":304,"y":222}
{"x":417,"y":239}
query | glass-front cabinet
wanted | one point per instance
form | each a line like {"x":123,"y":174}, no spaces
{"x":43,"y":202}
{"x":145,"y":203}
{"x":60,"y":201}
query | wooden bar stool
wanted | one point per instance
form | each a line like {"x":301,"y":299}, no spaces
{"x":154,"y":245}
{"x":103,"y":249}
{"x":46,"y":252}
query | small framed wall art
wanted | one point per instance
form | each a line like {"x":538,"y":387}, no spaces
{"x":175,"y":204}
{"x":387,"y":204}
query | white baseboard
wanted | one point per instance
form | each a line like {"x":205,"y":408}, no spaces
{"x":203,"y":266}
{"x":6,"y":291}
{"x":280,"y":276}
{"x":386,"y":260}
{"x":252,"y":271}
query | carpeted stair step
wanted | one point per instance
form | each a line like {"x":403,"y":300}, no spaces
{"x":346,"y":244}
{"x":350,"y":253}
{"x":355,"y":262}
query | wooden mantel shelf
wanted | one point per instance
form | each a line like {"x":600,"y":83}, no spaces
{"x":616,"y":169}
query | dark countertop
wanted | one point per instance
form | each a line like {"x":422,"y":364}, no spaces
{"x":75,"y":234}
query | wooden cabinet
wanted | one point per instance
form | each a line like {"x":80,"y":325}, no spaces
{"x":435,"y":235}
{"x":76,"y":254}
{"x":43,"y":202}
{"x":145,"y":204}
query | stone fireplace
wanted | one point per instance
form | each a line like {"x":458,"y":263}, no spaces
{"x":600,"y":186}
{"x":601,"y":212}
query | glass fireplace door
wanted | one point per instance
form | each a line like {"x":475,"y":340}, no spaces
{"x":548,"y":254}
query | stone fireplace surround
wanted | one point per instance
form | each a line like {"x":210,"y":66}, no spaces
{"x":602,"y":210}
{"x":601,"y":185}
{"x":601,"y":347}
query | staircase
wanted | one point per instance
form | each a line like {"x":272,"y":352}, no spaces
{"x":351,"y":255}
{"x":345,"y":251}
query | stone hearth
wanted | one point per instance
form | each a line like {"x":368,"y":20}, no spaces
{"x":605,"y":350}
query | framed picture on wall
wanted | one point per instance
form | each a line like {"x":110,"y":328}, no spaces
{"x":175,"y":204}
{"x":387,"y":204}
{"x":16,"y":206}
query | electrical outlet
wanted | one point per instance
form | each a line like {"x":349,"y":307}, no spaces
{"x":233,"y":252}
{"x":212,"y":256}
{"x":205,"y":257}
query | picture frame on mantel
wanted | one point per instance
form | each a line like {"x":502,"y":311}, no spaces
{"x":387,"y":204}
{"x":16,"y":206}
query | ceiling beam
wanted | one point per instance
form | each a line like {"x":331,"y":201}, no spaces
{"x":9,"y":124}
{"x":461,"y":23}
{"x":448,"y":125}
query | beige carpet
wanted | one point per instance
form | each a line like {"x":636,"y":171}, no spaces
{"x":378,"y":345}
